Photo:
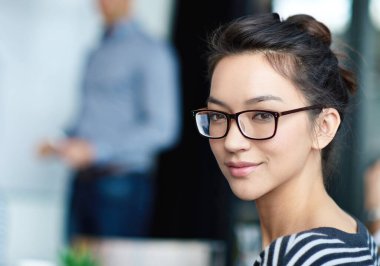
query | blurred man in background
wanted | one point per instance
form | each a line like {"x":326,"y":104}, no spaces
{"x":129,"y":114}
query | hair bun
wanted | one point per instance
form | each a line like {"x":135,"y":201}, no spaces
{"x":312,"y":27}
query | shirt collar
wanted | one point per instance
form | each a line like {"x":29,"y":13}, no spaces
{"x":120,"y":29}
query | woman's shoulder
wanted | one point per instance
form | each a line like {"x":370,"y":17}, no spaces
{"x":321,"y":245}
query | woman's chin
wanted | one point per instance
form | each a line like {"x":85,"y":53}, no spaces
{"x":245,"y":194}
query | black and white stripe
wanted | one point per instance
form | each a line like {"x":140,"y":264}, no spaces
{"x":322,"y":246}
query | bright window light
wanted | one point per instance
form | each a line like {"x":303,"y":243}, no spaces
{"x":374,"y":13}
{"x":336,"y":14}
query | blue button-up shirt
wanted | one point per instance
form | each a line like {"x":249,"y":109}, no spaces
{"x":130,"y":103}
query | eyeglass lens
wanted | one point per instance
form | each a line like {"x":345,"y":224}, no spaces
{"x":253,"y":124}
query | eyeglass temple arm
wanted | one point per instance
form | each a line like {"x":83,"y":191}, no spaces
{"x":302,"y":109}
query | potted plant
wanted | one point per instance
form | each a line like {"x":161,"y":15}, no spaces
{"x":77,"y":257}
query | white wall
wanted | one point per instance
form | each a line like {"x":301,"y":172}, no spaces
{"x":42,"y":47}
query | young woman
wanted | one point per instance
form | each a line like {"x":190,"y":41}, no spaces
{"x":278,"y":96}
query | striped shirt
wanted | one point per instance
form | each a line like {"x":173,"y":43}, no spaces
{"x":322,"y":246}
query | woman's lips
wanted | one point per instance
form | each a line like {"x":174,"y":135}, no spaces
{"x":242,"y":169}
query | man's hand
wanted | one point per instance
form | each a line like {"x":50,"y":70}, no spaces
{"x":77,"y":153}
{"x":47,"y":148}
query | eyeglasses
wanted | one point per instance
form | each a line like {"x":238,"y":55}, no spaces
{"x":253,"y":124}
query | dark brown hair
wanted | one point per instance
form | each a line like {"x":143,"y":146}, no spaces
{"x":299,"y":49}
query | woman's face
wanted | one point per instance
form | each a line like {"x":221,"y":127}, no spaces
{"x":255,"y":168}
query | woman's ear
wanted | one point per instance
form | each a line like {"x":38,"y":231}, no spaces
{"x":327,"y":125}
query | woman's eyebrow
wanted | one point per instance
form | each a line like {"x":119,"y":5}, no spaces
{"x":263,"y":98}
{"x":211,"y":99}
{"x":257,"y":99}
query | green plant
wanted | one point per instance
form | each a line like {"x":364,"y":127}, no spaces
{"x":77,"y":257}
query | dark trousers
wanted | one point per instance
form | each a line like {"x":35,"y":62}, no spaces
{"x":110,"y":205}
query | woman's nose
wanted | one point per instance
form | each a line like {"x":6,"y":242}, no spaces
{"x":235,"y":139}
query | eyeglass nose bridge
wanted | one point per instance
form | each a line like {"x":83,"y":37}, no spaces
{"x":236,"y":118}
{"x":232,"y":116}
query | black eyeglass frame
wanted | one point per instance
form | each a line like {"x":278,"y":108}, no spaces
{"x":235,"y":116}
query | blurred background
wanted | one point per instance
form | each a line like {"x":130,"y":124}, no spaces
{"x":43,"y":44}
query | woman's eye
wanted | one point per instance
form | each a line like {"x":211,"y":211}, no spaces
{"x":262,"y":116}
{"x":217,"y":117}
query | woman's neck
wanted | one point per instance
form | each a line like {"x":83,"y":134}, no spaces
{"x":290,"y":207}
{"x":282,"y":213}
